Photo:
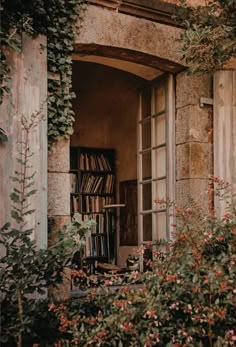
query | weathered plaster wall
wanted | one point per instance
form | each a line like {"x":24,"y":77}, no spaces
{"x":28,"y":95}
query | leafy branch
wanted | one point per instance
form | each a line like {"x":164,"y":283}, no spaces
{"x":25,"y":270}
{"x":209,"y":35}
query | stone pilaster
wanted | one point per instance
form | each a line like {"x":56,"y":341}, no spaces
{"x":225,"y":129}
{"x":59,"y":182}
{"x":193,"y":138}
{"x":59,"y":201}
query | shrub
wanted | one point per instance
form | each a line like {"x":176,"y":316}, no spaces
{"x":186,"y":299}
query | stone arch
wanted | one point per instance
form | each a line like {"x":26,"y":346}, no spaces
{"x":108,"y":34}
{"x":119,"y":36}
{"x":111,"y":55}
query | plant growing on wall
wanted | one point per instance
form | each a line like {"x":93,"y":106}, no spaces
{"x":209,"y":38}
{"x":59,"y":20}
{"x":26,"y":271}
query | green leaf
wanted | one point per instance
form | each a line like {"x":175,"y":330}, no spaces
{"x":5,"y":226}
{"x":15,"y":179}
{"x":28,"y":212}
{"x":15,"y":215}
{"x":32,"y":192}
{"x":3,"y":136}
{"x":15,"y":197}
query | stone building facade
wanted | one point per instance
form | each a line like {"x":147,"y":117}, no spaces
{"x":121,"y":46}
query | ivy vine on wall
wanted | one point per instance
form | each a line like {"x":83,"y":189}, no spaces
{"x":59,"y":20}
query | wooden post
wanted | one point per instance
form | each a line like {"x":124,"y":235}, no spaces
{"x":28,"y":95}
{"x":224,"y":129}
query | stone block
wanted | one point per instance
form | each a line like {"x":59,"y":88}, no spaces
{"x":58,"y":194}
{"x":190,"y":88}
{"x":194,"y":160}
{"x":193,"y":123}
{"x":59,"y":157}
{"x":189,"y":189}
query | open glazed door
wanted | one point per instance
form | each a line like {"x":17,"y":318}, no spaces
{"x":156,"y":157}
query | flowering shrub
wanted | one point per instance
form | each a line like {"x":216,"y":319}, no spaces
{"x":187,"y":298}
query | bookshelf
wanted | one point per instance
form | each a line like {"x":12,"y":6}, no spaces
{"x":92,"y":182}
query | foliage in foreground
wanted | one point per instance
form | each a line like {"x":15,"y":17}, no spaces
{"x":186,"y":299}
{"x":26,"y":272}
{"x":209,"y":38}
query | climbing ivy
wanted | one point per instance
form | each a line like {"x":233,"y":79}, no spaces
{"x":59,"y":20}
{"x":209,"y":37}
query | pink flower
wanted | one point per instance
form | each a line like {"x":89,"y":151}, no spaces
{"x":226,"y":217}
{"x":151,"y":314}
{"x":51,"y":307}
{"x":127,"y":327}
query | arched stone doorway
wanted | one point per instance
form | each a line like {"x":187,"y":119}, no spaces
{"x":146,"y":49}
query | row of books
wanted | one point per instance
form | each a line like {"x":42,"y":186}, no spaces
{"x":89,"y":204}
{"x":99,"y":218}
{"x":95,"y":162}
{"x":97,"y":184}
{"x":96,"y":246}
{"x":74,"y":204}
{"x":93,"y":204}
{"x":104,"y":222}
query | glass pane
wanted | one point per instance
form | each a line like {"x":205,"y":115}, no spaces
{"x":160,"y":130}
{"x":146,"y":103}
{"x":146,"y":134}
{"x":147,"y":227}
{"x":160,"y":98}
{"x":160,"y":160}
{"x":147,"y":196}
{"x":146,"y":165}
{"x":161,"y":224}
{"x":159,"y":189}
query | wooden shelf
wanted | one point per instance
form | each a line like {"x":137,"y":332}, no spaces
{"x":98,"y":234}
{"x":97,"y":194}
{"x":97,"y":172}
{"x":93,"y":186}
